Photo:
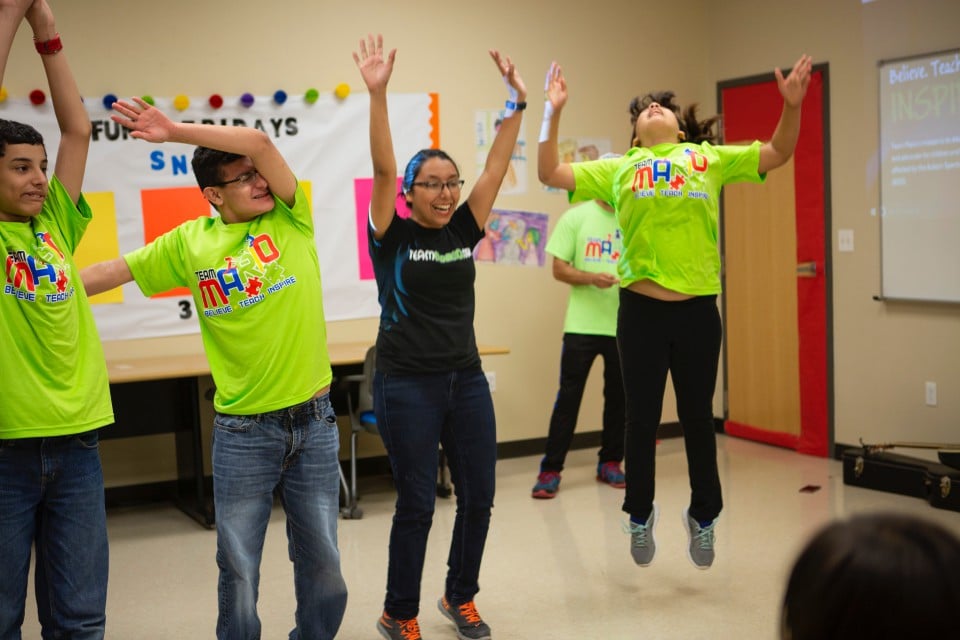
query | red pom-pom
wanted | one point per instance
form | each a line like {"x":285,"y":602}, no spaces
{"x":37,"y":97}
{"x":216,"y":101}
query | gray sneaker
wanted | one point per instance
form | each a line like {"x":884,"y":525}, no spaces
{"x":643,"y":545}
{"x":701,"y":541}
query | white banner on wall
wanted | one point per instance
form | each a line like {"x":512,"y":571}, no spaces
{"x":139,"y":190}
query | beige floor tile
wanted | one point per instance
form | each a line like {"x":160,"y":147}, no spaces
{"x":554,"y":569}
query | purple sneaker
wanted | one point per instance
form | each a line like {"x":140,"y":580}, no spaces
{"x":548,"y":483}
{"x":611,"y":474}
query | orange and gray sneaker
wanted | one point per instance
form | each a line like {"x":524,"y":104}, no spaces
{"x":394,"y":629}
{"x":469,"y":624}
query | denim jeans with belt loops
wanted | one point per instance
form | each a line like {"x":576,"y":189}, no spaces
{"x":293,"y":453}
{"x":415,"y":414}
{"x":51,"y":497}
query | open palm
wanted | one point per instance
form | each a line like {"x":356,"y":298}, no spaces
{"x":376,"y":70}
{"x":509,"y":72}
{"x":143,"y":120}
{"x":556,"y":86}
{"x":794,"y":87}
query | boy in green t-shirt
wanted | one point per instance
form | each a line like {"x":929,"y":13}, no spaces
{"x":254,"y":275}
{"x":586,"y":245}
{"x":56,"y":391}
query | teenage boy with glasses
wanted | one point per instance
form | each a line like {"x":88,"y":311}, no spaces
{"x":255,"y":273}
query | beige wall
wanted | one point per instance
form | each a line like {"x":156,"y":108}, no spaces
{"x":610,"y":51}
{"x":883,"y":352}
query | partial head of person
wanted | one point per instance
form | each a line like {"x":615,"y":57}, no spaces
{"x":232,"y":184}
{"x":23,"y":172}
{"x":431,"y":186}
{"x":877,"y":577}
{"x":657,"y":118}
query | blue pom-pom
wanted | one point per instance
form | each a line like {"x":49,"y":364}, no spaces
{"x":279,"y":96}
{"x":108,"y":101}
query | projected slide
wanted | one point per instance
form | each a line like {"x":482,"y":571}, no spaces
{"x":920,"y":177}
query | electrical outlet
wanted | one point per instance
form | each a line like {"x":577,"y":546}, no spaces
{"x":845,"y":240}
{"x":930,"y":389}
{"x":491,"y":380}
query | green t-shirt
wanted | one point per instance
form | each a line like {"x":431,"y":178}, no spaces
{"x":587,"y":236}
{"x":667,"y":200}
{"x":257,"y":291}
{"x":54,"y":374}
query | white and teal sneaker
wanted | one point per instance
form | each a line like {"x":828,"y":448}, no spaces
{"x":701,"y":541}
{"x":643,"y":546}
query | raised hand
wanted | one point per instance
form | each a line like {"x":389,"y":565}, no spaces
{"x":518,"y":91}
{"x":793,"y":88}
{"x":40,"y":17}
{"x":555,"y":87}
{"x":145,"y":121}
{"x":376,"y":70}
{"x":16,"y":7}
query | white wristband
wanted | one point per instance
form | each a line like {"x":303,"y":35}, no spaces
{"x":510,"y":90}
{"x":545,"y":127}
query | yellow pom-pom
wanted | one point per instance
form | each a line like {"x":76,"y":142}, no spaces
{"x":342,"y":90}
{"x":181,"y":102}
{"x":3,"y":94}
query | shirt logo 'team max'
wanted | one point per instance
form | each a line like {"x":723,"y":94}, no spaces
{"x":598,"y":249}
{"x":665,"y":173}
{"x":245,"y":280}
{"x":26,"y":273}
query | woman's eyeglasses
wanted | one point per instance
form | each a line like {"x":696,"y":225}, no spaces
{"x":437,"y":187}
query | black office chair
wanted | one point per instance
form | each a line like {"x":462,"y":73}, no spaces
{"x":362,"y":419}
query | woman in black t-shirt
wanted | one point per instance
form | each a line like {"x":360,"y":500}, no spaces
{"x":429,"y":388}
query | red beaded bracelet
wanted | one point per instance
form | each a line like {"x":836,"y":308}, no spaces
{"x":48,"y":47}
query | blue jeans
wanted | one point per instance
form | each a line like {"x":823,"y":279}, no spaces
{"x":51,"y":497}
{"x":416,"y":414}
{"x":579,"y":352}
{"x":293,"y":452}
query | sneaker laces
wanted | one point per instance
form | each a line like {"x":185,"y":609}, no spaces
{"x":705,"y":536}
{"x":638,"y":532}
{"x":469,"y":611}
{"x":546,"y":478}
{"x":409,"y":629}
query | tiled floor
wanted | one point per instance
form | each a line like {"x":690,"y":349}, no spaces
{"x":553,"y":568}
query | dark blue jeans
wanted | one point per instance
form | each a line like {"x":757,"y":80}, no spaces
{"x":416,"y":414}
{"x":51,"y":497}
{"x":683,"y":338}
{"x":293,"y":452}
{"x":579,"y":352}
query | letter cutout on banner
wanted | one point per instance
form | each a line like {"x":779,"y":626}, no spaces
{"x":139,"y":190}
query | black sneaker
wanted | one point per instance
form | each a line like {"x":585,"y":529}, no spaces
{"x":394,"y":629}
{"x":469,"y":624}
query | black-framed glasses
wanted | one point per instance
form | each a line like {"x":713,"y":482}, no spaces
{"x":243,"y":179}
{"x":437,"y":186}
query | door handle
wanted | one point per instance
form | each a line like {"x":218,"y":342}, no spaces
{"x":807,"y":269}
